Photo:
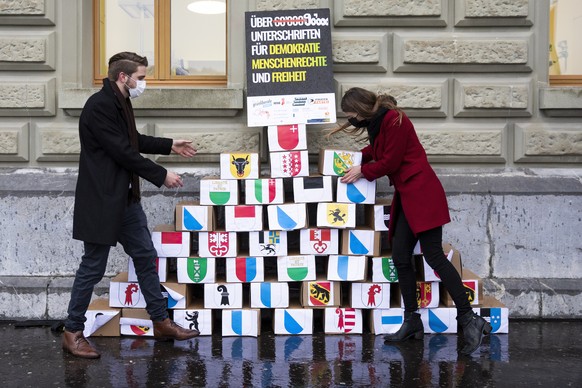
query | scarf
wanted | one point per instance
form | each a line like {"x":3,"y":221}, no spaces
{"x":376,"y":123}
{"x":127,"y":110}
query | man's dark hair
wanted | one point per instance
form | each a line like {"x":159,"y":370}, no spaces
{"x":125,"y":62}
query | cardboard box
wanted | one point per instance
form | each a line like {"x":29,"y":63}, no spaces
{"x":289,"y":216}
{"x":343,"y":320}
{"x":287,"y":137}
{"x":427,"y":295}
{"x":217,"y":244}
{"x":370,"y":295}
{"x":296,"y":268}
{"x":194,"y":317}
{"x":378,"y":216}
{"x":245,"y":269}
{"x":293,"y":321}
{"x":191,"y":216}
{"x":427,"y":274}
{"x":315,"y":241}
{"x":239,"y":165}
{"x":223,"y":296}
{"x":336,"y":162}
{"x":123,"y":293}
{"x":494,"y":312}
{"x":361,"y":191}
{"x":320,"y":293}
{"x":383,"y":269}
{"x":241,"y":323}
{"x":196,"y":269}
{"x":161,"y":268}
{"x":264,"y":191}
{"x":289,"y":164}
{"x":360,"y":242}
{"x":313,"y":189}
{"x":136,"y":322}
{"x":178,"y":294}
{"x":473,"y":287}
{"x":270,"y":294}
{"x":336,"y":215}
{"x":243,"y":218}
{"x":169,"y":243}
{"x":218,"y":192}
{"x":268,"y":243}
{"x":386,"y":321}
{"x":102,"y":320}
{"x":439,"y":320}
{"x":347,"y":268}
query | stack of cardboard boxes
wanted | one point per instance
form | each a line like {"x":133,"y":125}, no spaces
{"x":302,"y":259}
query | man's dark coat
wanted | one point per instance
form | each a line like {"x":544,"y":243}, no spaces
{"x":106,"y":162}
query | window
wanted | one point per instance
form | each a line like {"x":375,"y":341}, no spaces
{"x":183,"y":46}
{"x":565,"y":44}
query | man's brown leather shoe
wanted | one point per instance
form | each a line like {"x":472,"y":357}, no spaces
{"x":168,"y":329}
{"x":76,"y":344}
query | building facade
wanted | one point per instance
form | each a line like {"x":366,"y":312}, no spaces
{"x":473,"y":76}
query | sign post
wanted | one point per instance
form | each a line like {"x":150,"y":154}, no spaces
{"x":289,"y":68}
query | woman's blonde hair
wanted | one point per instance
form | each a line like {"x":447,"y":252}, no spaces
{"x":365,"y":103}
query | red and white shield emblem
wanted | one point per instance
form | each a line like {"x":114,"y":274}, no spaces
{"x":423,"y":294}
{"x":129,"y":294}
{"x":291,"y":163}
{"x":218,"y":243}
{"x":346,"y":319}
{"x":319,"y":238}
{"x":288,"y":136}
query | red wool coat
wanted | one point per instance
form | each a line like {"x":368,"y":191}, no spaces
{"x":397,"y":153}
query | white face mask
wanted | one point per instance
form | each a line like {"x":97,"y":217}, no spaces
{"x":140,"y":86}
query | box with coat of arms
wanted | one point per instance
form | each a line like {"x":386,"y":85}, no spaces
{"x":336,"y":162}
{"x":314,"y":241}
{"x":248,"y":269}
{"x":196,"y":269}
{"x":336,"y":215}
{"x":287,"y":137}
{"x":313,"y":189}
{"x":343,"y":320}
{"x":239,"y":165}
{"x":243,"y":218}
{"x":296,"y":268}
{"x":289,"y":164}
{"x":320,"y":294}
{"x":268,"y":243}
{"x":218,"y":192}
{"x":266,"y":191}
{"x":217,"y":244}
{"x":370,"y":295}
{"x":361,"y":191}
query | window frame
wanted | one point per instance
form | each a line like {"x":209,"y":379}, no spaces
{"x":162,"y":49}
{"x":562,"y":79}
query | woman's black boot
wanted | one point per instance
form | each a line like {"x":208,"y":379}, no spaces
{"x":411,"y":327}
{"x":474,"y":328}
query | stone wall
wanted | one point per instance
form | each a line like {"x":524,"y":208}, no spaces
{"x":472,"y":75}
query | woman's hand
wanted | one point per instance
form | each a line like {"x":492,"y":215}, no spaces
{"x":352,"y":174}
{"x":184,"y":148}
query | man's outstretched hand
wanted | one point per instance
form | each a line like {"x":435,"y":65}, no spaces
{"x":184,"y":148}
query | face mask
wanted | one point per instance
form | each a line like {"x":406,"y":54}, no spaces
{"x":358,"y":123}
{"x":140,"y":86}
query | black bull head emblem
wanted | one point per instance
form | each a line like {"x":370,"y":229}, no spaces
{"x":240,"y":165}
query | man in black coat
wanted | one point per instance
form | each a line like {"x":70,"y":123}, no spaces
{"x":107,"y":198}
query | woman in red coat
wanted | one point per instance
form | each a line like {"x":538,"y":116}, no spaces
{"x":419,"y":208}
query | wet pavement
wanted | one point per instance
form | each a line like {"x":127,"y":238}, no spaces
{"x":543,"y":354}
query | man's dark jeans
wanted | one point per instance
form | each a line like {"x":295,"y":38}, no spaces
{"x":137,"y":242}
